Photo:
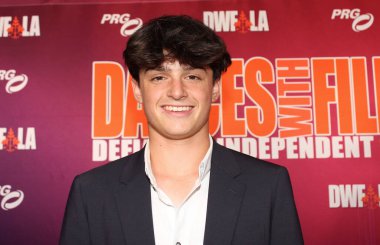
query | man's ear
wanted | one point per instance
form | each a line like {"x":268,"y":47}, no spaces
{"x":137,"y":91}
{"x":215,"y":90}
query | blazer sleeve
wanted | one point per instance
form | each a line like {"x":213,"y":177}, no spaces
{"x":285,"y":225}
{"x":75,"y":230}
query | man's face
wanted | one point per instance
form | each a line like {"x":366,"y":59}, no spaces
{"x":176,"y":99}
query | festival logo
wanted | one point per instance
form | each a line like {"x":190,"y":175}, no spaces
{"x":10,"y":199}
{"x":236,"y":21}
{"x":14,"y":82}
{"x":361,"y":22}
{"x":15,"y":27}
{"x":25,"y":139}
{"x":128,"y":25}
{"x":354,"y":196}
{"x":266,"y":110}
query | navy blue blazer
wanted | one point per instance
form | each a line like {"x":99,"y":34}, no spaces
{"x":250,"y":201}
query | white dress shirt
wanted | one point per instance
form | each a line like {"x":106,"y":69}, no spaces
{"x":183,"y":225}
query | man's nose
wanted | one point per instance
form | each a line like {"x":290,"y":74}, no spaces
{"x":177,"y":89}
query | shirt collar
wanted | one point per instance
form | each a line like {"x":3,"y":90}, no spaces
{"x":203,"y":169}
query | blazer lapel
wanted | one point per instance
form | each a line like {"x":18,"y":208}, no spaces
{"x":134,"y":202}
{"x":224,"y":198}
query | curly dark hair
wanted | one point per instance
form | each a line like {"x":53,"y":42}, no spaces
{"x":170,"y":38}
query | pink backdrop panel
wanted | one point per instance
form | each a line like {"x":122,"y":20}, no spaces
{"x":303,"y":91}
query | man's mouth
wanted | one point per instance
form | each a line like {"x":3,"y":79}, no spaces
{"x":177,"y":108}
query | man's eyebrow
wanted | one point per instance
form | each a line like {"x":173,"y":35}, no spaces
{"x":190,"y":68}
{"x":165,"y":68}
{"x":158,"y":68}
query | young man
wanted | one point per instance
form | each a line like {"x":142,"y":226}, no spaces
{"x":182,"y":188}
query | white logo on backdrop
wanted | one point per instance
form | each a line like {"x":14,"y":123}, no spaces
{"x":129,"y":25}
{"x":11,"y":199}
{"x":361,"y":22}
{"x":237,"y":21}
{"x":15,"y":82}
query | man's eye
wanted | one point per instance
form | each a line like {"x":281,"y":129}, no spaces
{"x":158,"y":78}
{"x":193,"y":77}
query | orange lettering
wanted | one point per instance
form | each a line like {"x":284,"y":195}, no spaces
{"x":294,"y":122}
{"x":324,"y":94}
{"x":364,"y":122}
{"x":214,"y":122}
{"x":295,"y":101}
{"x":292,"y":68}
{"x":344,"y":96}
{"x":231,"y":97}
{"x":134,"y":116}
{"x":261,"y":119}
{"x":107,"y":99}
{"x":293,"y":85}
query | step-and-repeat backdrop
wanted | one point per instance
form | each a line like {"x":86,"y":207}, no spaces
{"x":303,"y":91}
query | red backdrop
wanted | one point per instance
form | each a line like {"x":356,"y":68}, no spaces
{"x":303,"y":91}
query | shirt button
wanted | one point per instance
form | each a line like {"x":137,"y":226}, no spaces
{"x":178,"y":243}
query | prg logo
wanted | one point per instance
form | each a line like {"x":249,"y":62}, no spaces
{"x":361,"y":22}
{"x":15,"y":27}
{"x":14,"y":82}
{"x":129,"y":25}
{"x":11,"y":199}
{"x":236,"y":21}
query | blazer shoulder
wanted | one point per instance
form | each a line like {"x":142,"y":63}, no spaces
{"x":247,"y":163}
{"x":110,"y":172}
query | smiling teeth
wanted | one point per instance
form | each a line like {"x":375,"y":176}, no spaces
{"x":177,"y":108}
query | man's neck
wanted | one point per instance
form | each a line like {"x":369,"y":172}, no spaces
{"x":175,"y":164}
{"x":178,"y":158}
